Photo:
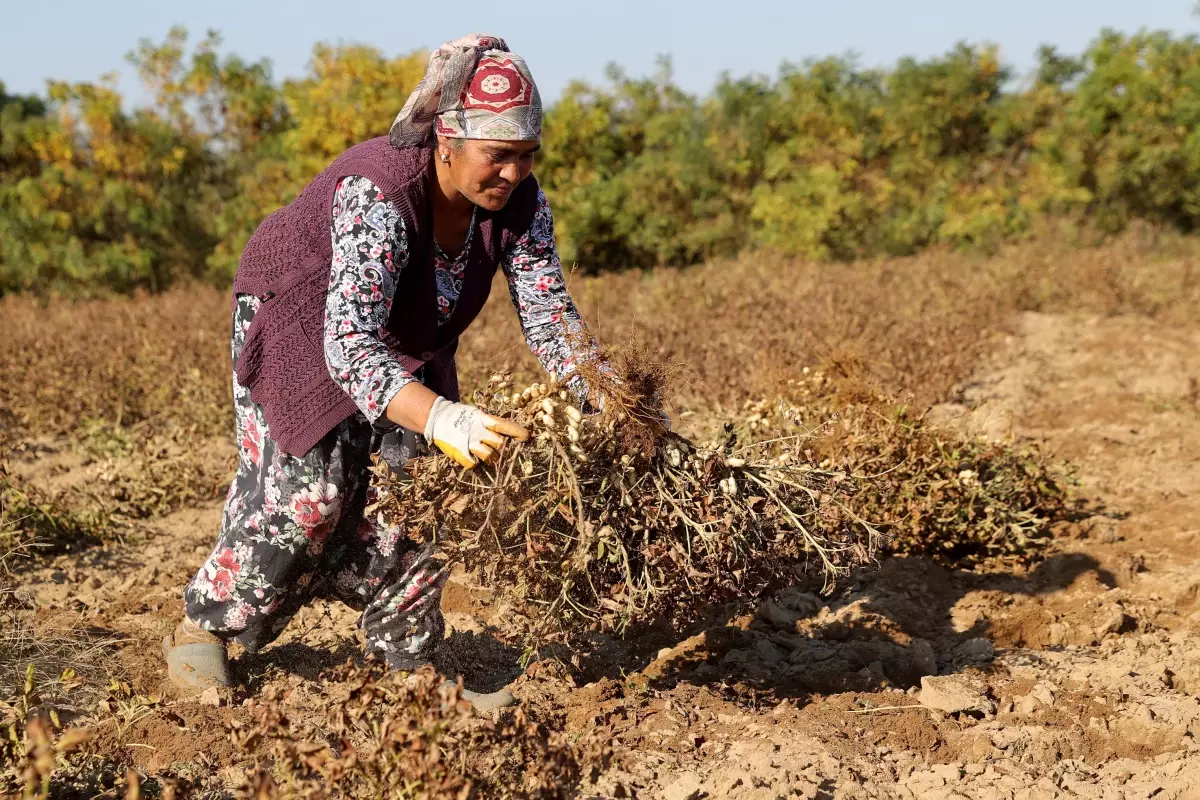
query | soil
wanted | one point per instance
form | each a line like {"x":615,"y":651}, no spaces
{"x":1077,"y":677}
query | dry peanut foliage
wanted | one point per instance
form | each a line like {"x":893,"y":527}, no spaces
{"x":33,"y":742}
{"x":963,"y":501}
{"x":411,"y":736}
{"x":600,"y":522}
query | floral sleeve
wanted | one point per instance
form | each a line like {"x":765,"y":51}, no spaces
{"x":538,"y":289}
{"x":370,"y":247}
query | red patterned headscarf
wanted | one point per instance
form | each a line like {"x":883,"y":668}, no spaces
{"x":473,"y":88}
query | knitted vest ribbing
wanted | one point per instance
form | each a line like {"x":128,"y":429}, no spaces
{"x":287,"y":263}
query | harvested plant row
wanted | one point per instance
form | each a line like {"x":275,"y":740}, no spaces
{"x":600,"y":522}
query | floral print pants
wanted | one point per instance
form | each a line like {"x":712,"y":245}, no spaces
{"x":295,"y":529}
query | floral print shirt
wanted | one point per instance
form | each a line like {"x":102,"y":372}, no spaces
{"x":448,"y":273}
{"x":370,"y":248}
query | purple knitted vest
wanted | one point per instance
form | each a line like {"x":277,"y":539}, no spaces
{"x":287,"y":264}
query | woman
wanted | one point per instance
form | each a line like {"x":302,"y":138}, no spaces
{"x":348,"y":307}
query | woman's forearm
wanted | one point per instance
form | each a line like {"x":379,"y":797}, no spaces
{"x":409,"y":407}
{"x":369,"y":243}
{"x":550,"y":320}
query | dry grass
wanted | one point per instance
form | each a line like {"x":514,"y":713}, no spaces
{"x":33,"y":744}
{"x":140,"y":479}
{"x":40,"y":650}
{"x":139,"y":384}
{"x":43,"y":662}
{"x":397,"y":736}
{"x":908,"y":328}
{"x":139,"y":365}
{"x":34,"y":523}
{"x":39,"y":665}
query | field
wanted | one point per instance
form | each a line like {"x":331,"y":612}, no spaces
{"x":1031,"y":420}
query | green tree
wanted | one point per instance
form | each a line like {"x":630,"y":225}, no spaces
{"x":827,"y":160}
{"x":107,"y":204}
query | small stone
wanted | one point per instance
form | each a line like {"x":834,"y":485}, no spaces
{"x":926,"y":781}
{"x":947,"y":772}
{"x":685,"y":787}
{"x":730,"y":784}
{"x":1103,"y":529}
{"x":768,"y":652}
{"x":923,"y":658}
{"x":953,"y":694}
{"x":1026,"y":705}
{"x":1116,"y":621}
{"x":1043,"y":693}
{"x":210,"y":697}
{"x":836,"y":631}
{"x":778,"y":616}
{"x":1006,"y":737}
{"x":978,"y":649}
{"x":1162,"y":673}
{"x":1058,"y":634}
{"x":811,"y":652}
{"x":804,"y":604}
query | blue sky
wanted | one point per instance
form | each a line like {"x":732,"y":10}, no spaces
{"x":562,"y":39}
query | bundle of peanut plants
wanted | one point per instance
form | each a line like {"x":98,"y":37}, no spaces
{"x":604,"y":521}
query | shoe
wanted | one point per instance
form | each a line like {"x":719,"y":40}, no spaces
{"x":196,"y":658}
{"x":485,"y":702}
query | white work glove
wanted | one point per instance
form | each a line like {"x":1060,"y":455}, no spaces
{"x":466,"y":434}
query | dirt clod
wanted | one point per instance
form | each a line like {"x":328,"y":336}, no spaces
{"x":954,"y":694}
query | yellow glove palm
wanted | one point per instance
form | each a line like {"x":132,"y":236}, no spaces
{"x":467,"y":434}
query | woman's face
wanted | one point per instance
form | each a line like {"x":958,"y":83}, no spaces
{"x":486,"y":171}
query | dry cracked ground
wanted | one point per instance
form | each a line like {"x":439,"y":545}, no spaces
{"x":1076,"y":678}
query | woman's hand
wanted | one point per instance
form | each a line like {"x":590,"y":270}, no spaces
{"x":466,"y":434}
